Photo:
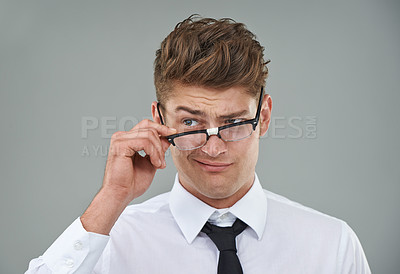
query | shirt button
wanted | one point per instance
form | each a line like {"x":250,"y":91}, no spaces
{"x":69,"y":263}
{"x":78,"y":245}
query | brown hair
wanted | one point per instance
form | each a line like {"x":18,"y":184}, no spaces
{"x":210,"y":53}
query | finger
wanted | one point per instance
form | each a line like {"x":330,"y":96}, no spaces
{"x":161,"y":129}
{"x":165,"y":144}
{"x":153,"y":148}
{"x":150,"y":133}
{"x":163,"y":141}
{"x":158,"y":143}
{"x":153,"y":153}
{"x":147,"y":141}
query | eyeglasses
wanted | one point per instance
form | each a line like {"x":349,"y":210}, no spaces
{"x":194,"y":139}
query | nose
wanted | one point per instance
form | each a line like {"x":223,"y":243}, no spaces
{"x":214,"y":146}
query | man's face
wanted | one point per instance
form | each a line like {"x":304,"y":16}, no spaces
{"x":219,"y":173}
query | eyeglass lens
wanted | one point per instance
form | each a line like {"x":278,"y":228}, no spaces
{"x":193,"y":141}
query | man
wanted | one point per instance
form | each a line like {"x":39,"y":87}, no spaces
{"x":211,"y":112}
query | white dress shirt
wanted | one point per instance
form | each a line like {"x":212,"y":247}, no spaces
{"x":163,"y":235}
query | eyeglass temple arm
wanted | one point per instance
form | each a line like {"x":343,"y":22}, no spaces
{"x":258,"y":108}
{"x":159,"y":113}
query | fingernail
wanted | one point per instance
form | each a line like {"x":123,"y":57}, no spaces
{"x":172,"y":129}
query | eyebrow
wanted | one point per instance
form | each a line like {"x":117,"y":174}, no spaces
{"x":202,"y":113}
{"x":235,"y":114}
{"x":191,"y":111}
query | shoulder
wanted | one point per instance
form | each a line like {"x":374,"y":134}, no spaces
{"x":148,"y":212}
{"x":302,"y":224}
{"x":297,"y":226}
{"x":151,"y":205}
{"x":285,"y":212}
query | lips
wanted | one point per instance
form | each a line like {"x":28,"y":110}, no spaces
{"x":212,"y":166}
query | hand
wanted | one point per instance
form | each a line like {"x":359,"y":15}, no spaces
{"x":127,"y":173}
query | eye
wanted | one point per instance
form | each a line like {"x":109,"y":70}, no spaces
{"x":233,"y":121}
{"x":190,"y":122}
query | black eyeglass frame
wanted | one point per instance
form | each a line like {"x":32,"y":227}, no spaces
{"x":253,"y":122}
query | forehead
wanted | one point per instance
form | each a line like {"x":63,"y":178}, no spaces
{"x":210,"y":100}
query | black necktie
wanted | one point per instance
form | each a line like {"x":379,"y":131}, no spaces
{"x":224,"y":239}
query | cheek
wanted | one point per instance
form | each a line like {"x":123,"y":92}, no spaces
{"x":175,"y":153}
{"x":183,"y":156}
{"x":179,"y":156}
{"x":247,"y":152}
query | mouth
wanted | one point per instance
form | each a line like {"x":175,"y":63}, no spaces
{"x":212,"y":166}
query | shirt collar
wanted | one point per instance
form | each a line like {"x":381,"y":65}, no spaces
{"x":191,"y":214}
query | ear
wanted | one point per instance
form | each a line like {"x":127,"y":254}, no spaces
{"x":154,"y":112}
{"x":265,"y":115}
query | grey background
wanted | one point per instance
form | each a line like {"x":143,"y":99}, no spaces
{"x":62,"y":61}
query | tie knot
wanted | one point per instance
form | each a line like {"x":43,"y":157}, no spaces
{"x":224,"y":237}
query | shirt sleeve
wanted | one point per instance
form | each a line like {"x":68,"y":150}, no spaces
{"x":351,"y":255}
{"x":74,"y":251}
